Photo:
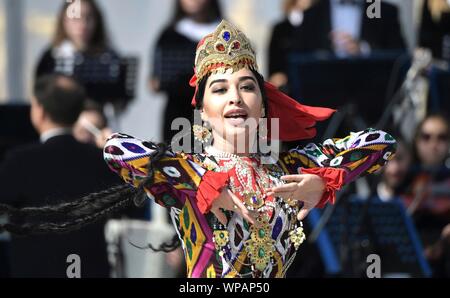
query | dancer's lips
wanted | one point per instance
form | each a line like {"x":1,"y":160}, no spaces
{"x":236,"y":113}
{"x":236,"y":116}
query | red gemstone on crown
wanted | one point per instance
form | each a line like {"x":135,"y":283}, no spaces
{"x":236,"y":45}
{"x":220,"y":47}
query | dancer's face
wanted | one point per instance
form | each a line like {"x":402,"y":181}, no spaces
{"x":232,"y":104}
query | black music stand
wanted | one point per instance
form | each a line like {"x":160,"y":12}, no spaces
{"x":388,"y":232}
{"x":360,"y":83}
{"x":110,"y":79}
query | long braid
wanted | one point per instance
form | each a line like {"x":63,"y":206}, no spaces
{"x":69,"y":216}
{"x":76,"y":224}
{"x":66,"y":208}
{"x":106,"y":205}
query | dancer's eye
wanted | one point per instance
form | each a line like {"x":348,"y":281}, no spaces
{"x":248,"y":87}
{"x":219,"y":90}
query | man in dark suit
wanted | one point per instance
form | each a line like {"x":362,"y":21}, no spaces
{"x":344,"y":27}
{"x":341,"y":27}
{"x":59,"y":169}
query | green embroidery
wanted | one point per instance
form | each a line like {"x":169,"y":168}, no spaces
{"x":246,"y":226}
{"x":388,"y":137}
{"x":186,"y":217}
{"x":355,"y":156}
{"x":315,"y":153}
{"x":168,"y":200}
{"x":187,"y":186}
{"x":189,"y":248}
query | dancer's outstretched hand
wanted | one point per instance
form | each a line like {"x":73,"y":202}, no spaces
{"x":308,"y":188}
{"x":228,"y":201}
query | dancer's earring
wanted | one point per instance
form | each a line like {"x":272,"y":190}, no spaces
{"x":202,"y":133}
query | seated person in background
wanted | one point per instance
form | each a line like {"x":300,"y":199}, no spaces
{"x":434,"y":32}
{"x":430,"y":168}
{"x":428,"y":195}
{"x":92,"y":126}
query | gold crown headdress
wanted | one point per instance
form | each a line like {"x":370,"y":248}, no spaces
{"x":228,"y":48}
{"x":225,"y":48}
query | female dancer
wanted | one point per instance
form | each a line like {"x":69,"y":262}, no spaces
{"x":234,"y":214}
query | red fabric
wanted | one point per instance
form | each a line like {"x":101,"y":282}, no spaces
{"x":296,"y":121}
{"x":334,"y":179}
{"x":209,"y":189}
{"x":193,"y":83}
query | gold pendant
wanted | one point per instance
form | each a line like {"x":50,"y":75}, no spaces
{"x":221,"y":238}
{"x":260,"y":246}
{"x":253,"y":200}
{"x":297,"y":237}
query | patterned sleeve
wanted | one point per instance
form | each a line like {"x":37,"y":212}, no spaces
{"x":176,"y":176}
{"x":341,"y":161}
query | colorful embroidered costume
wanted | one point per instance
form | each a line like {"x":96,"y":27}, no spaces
{"x":188,"y":184}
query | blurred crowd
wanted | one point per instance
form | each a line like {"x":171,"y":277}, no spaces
{"x":82,"y":84}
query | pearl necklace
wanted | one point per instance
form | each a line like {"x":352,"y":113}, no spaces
{"x":253,"y":199}
{"x":226,"y":155}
